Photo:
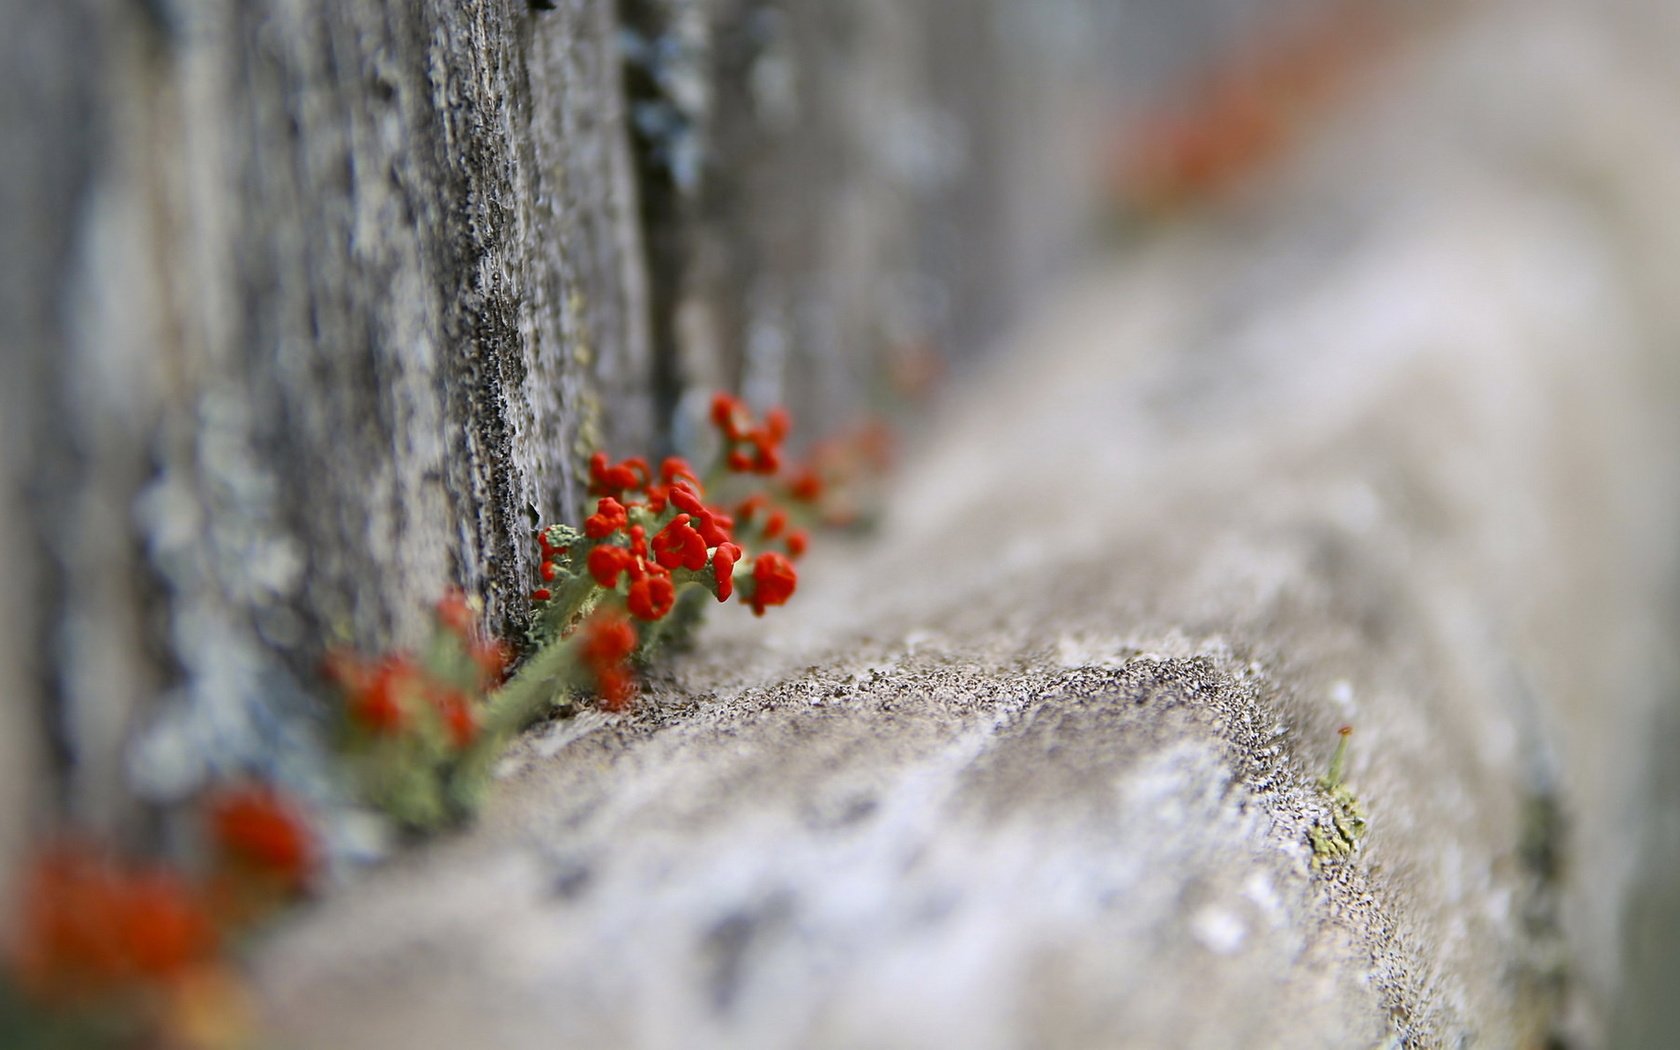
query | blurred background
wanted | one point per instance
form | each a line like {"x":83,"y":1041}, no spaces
{"x":312,"y":310}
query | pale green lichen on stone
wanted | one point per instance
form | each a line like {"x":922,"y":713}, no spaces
{"x":1340,"y":837}
{"x":1347,"y":825}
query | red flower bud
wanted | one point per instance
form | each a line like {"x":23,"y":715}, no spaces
{"x":723,"y":566}
{"x":459,"y":721}
{"x":730,"y":416}
{"x":254,"y":828}
{"x":806,"y":486}
{"x":774,"y":580}
{"x":676,"y":469}
{"x":678,"y":544}
{"x":651,"y":596}
{"x":778,"y":424}
{"x":606,"y":563}
{"x":615,"y":479}
{"x":609,"y":517}
{"x":378,"y":705}
{"x":608,"y":640}
{"x":455,"y":613}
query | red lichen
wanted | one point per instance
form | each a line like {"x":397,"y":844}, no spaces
{"x":675,"y":469}
{"x":749,"y":508}
{"x":607,"y":563}
{"x":610,"y":516}
{"x":254,"y":829}
{"x":651,"y":596}
{"x":713,"y":525}
{"x":89,"y":930}
{"x":606,"y":645}
{"x":460,"y":723}
{"x":723,"y":567}
{"x":730,"y":415}
{"x":774,"y":580}
{"x":679,"y":545}
{"x":374,"y":696}
{"x":454,"y":612}
{"x":615,"y":479}
{"x":806,"y":486}
{"x":491,"y":658}
{"x":751,"y":449}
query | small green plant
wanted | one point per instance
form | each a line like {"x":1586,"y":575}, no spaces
{"x":421,"y":732}
{"x":1341,"y":835}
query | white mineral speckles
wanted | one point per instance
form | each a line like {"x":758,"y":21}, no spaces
{"x":1341,"y":694}
{"x":1259,"y":891}
{"x":1218,"y":930}
{"x":166,"y":763}
{"x":1078,"y":651}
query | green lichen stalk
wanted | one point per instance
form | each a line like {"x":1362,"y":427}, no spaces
{"x":1347,"y":825}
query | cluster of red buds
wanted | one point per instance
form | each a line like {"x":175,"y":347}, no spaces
{"x":751,"y":447}
{"x":413,"y":720}
{"x":634,"y":576}
{"x":833,"y":485}
{"x":437,"y":696}
{"x":135,"y":953}
{"x":658,"y":535}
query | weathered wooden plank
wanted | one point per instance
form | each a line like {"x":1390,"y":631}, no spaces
{"x":310,"y":305}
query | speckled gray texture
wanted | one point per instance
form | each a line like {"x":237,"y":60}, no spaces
{"x":838,"y":192}
{"x":1036,"y":764}
{"x":305,"y":302}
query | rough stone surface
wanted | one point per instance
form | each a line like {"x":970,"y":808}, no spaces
{"x":1388,"y":442}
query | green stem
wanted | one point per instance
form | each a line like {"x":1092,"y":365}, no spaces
{"x":515,"y":704}
{"x":569,"y":603}
{"x":1339,"y":759}
{"x":509,"y":709}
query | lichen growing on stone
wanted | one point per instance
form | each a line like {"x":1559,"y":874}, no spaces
{"x":1340,"y":837}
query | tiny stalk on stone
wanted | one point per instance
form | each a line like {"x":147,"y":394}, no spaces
{"x":1340,"y":836}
